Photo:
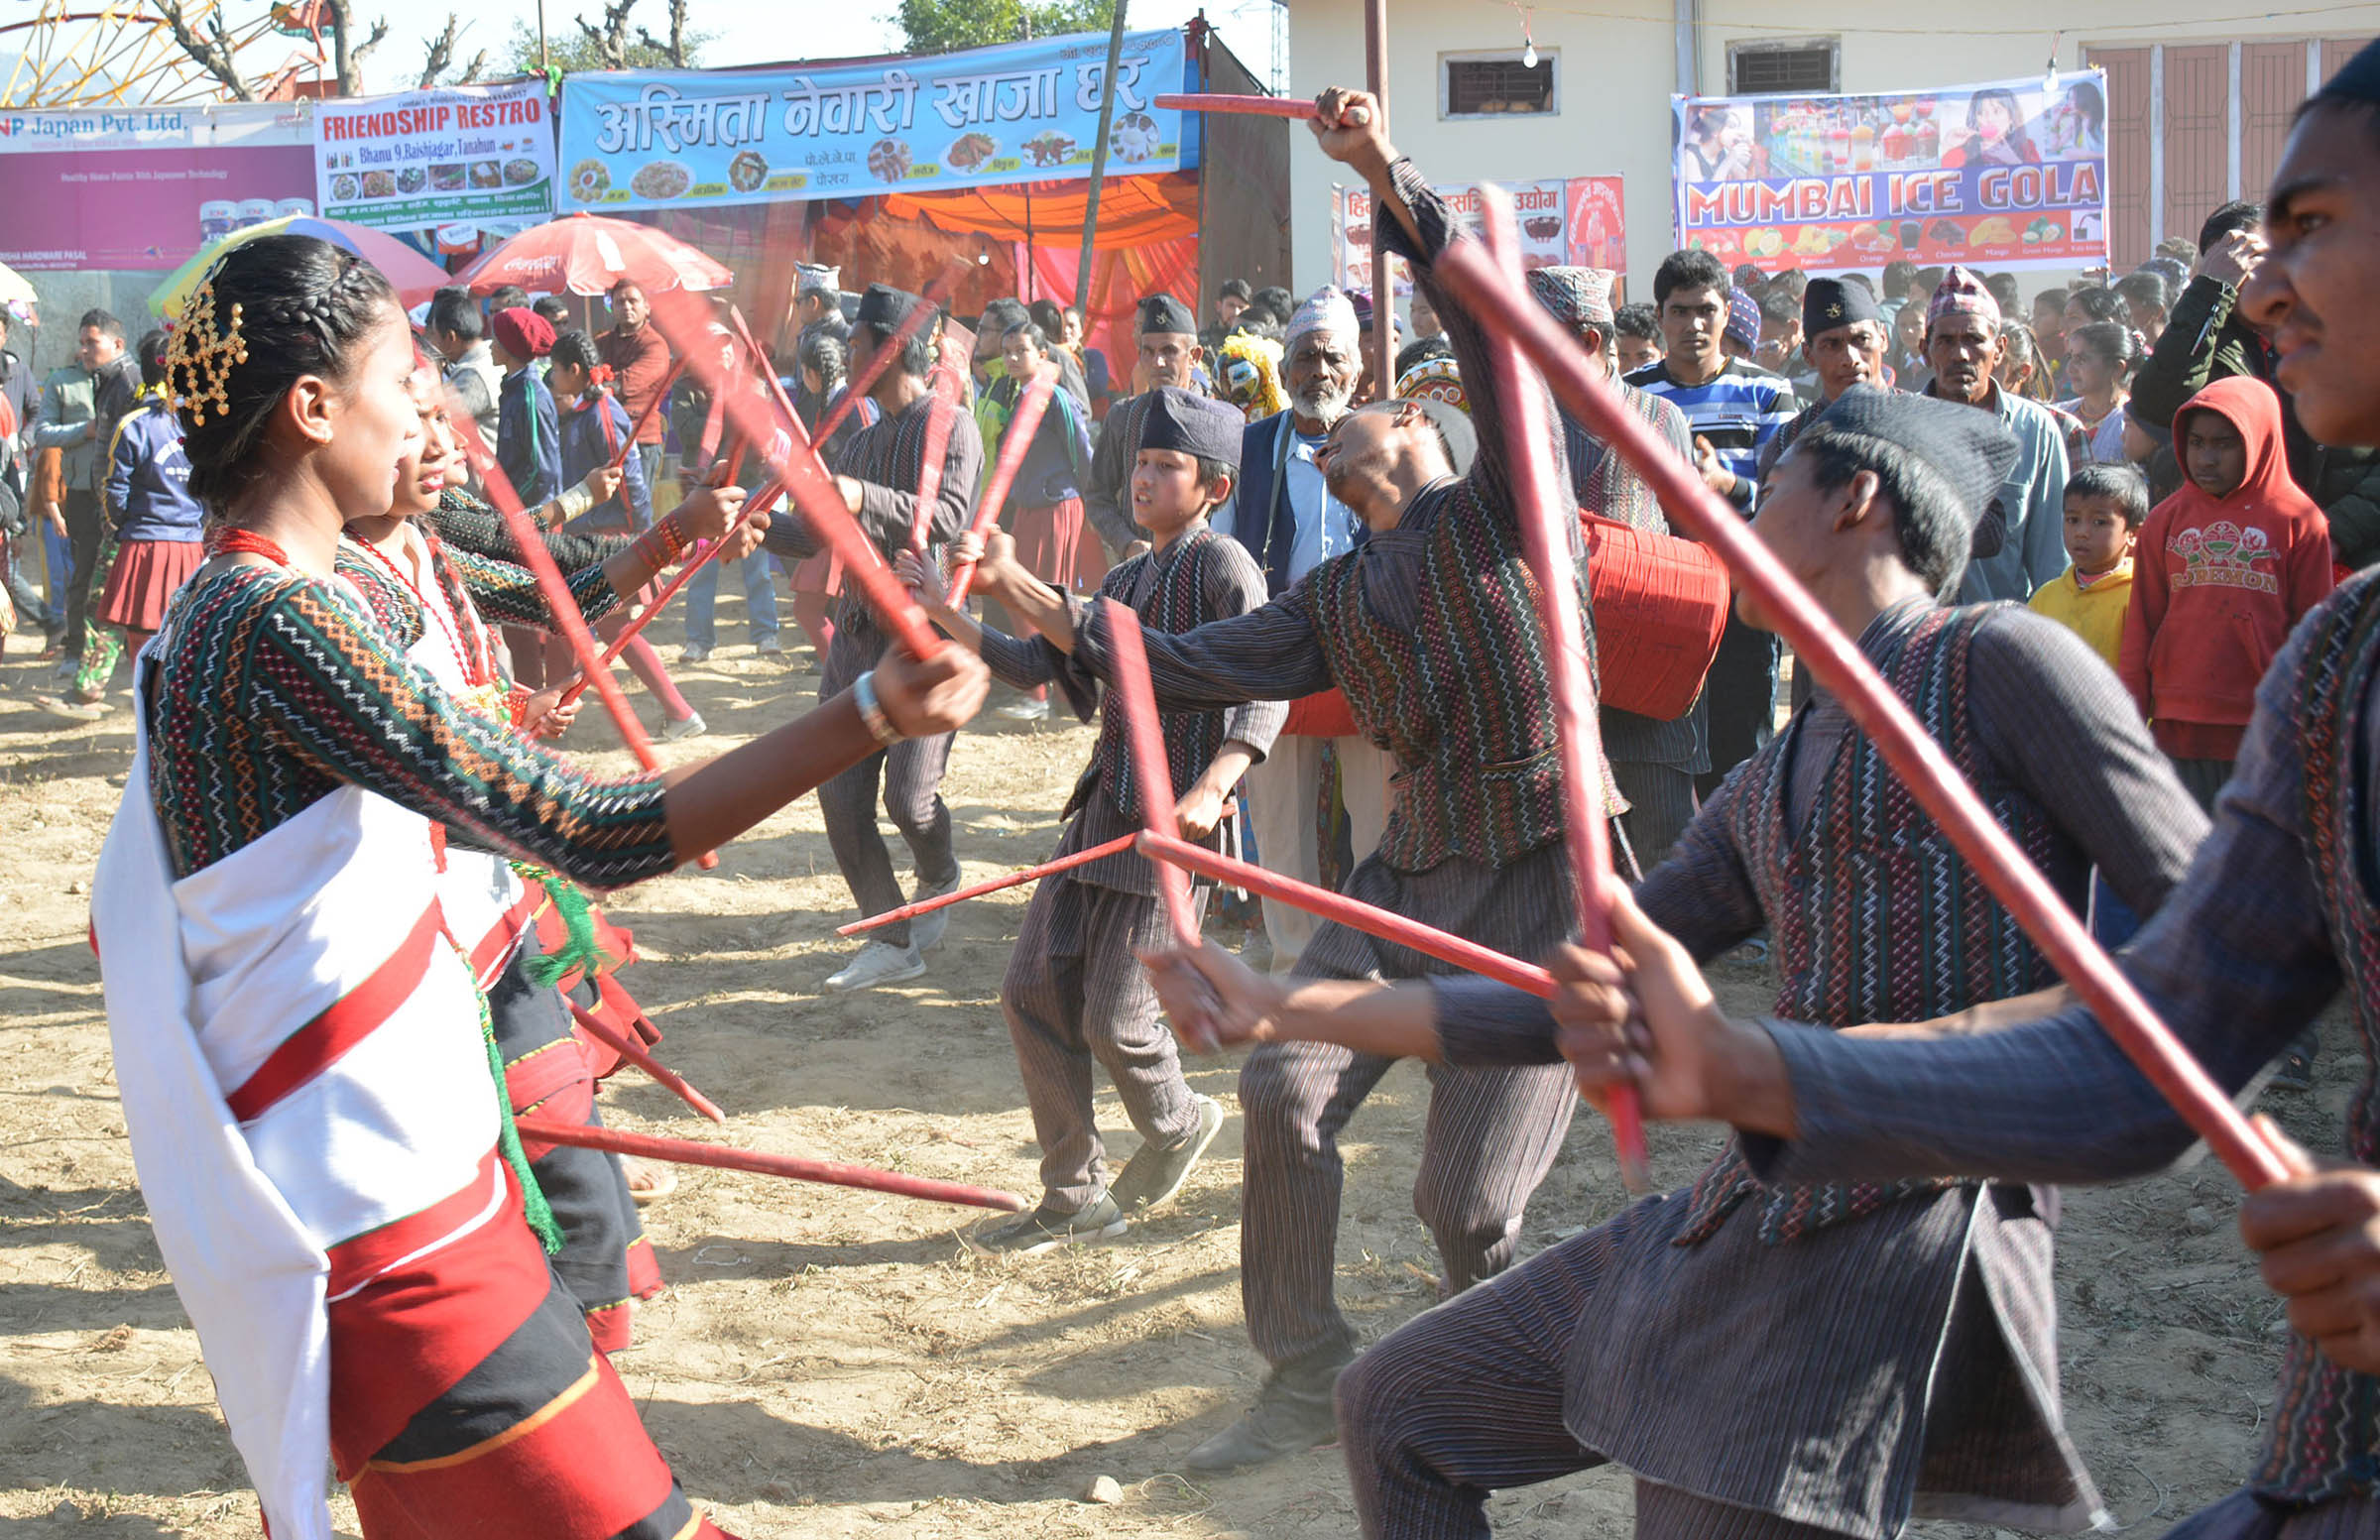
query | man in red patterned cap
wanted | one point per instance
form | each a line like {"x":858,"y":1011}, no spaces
{"x":528,"y":431}
{"x":1962,"y":343}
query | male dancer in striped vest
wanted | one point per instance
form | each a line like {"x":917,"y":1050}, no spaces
{"x":1166,"y":334}
{"x":1074,"y":992}
{"x":1907,"y":1339}
{"x":880,"y":475}
{"x":1412,"y":625}
{"x":2276,"y":915}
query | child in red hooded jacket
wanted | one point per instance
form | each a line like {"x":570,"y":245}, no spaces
{"x":2223,"y":569}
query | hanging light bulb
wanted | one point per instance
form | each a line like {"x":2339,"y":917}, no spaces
{"x":1528,"y":41}
{"x":1529,"y":53}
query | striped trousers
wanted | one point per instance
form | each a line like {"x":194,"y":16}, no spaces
{"x":910,"y":773}
{"x":2245,"y":1517}
{"x":1661,"y":803}
{"x":1074,"y":996}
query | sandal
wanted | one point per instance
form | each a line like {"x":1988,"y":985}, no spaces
{"x":649,"y":1181}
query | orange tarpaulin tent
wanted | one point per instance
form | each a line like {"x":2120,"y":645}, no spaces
{"x":1132,"y":210}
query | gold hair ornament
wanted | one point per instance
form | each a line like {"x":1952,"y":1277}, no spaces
{"x":201,"y":358}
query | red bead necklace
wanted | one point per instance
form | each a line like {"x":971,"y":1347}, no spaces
{"x":476,"y":670}
{"x":234,"y":540}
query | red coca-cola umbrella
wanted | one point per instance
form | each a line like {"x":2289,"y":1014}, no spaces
{"x":586,"y":254}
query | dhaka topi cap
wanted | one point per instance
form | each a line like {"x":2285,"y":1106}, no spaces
{"x":523,"y":332}
{"x":1575,"y":297}
{"x":1326,"y":309}
{"x":1165,"y":313}
{"x":2359,"y":81}
{"x":1435,"y":378}
{"x":1963,"y":293}
{"x":1972,"y":451}
{"x":1830,"y":303}
{"x":885,"y":308}
{"x":1743,"y":320}
{"x":1192,"y":425}
{"x":813,"y":275}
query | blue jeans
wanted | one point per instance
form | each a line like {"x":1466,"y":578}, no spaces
{"x":2112,"y":922}
{"x":57,"y":565}
{"x":760,"y":599}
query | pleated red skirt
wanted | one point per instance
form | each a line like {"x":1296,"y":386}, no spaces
{"x":144,"y":577}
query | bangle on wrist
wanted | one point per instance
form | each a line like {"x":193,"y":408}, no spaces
{"x":872,"y":712}
{"x":668,"y":536}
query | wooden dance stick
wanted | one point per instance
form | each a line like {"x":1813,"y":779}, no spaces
{"x":1012,"y":448}
{"x":1505,"y":308}
{"x":564,"y":609}
{"x":919,"y":319}
{"x":635,"y":1052}
{"x":650,"y":1146}
{"x":620,"y":456}
{"x":940,"y":411}
{"x":1253,"y":106}
{"x":1081,"y":858}
{"x":1138,"y":701}
{"x":1549,"y":532}
{"x":1355,"y":913}
{"x":758,"y":502}
{"x":684,"y":319}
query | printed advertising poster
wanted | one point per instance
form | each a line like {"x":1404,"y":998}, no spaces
{"x":2007,"y":175}
{"x":1564,"y":221}
{"x":142,"y":189}
{"x":418,"y":160}
{"x":1024,"y":112}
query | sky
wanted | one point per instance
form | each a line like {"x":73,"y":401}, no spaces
{"x":755,"y":30}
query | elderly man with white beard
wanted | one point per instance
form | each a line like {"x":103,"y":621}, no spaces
{"x":1290,"y":522}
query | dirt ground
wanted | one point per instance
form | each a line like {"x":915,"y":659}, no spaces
{"x":829,"y":1363}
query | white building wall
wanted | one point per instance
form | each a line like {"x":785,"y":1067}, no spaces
{"x":1617,"y":76}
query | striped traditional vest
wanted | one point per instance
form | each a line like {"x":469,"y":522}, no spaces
{"x":1175,"y":584}
{"x":1873,"y":913}
{"x":890,"y":452}
{"x":1461,"y":700}
{"x":2326,"y":1437}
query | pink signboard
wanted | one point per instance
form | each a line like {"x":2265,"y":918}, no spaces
{"x":144,"y":187}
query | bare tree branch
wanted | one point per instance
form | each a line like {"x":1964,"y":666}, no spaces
{"x":676,"y":49}
{"x":611,"y":39}
{"x":439,"y":53}
{"x":473,"y":71}
{"x":212,"y":52}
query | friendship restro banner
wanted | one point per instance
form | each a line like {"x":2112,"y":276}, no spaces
{"x":1564,"y":221}
{"x":417,"y":160}
{"x":2010,"y":173}
{"x":1022,"y":112}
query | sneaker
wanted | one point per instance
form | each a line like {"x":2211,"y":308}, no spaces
{"x":1156,"y":1171}
{"x":691,"y":725}
{"x":878,"y":963}
{"x":1027,"y":710}
{"x":2297,"y":1065}
{"x":1046,"y":1230}
{"x":771,"y":649}
{"x":925,"y":931}
{"x":693,"y":652}
{"x":1288,"y":1419}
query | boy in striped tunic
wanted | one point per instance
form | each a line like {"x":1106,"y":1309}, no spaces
{"x":1074,"y":992}
{"x":1905,"y":1357}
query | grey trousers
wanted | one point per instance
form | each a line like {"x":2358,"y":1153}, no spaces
{"x":1661,"y":805}
{"x":910,"y":776}
{"x":1075,"y":995}
{"x":2204,"y":780}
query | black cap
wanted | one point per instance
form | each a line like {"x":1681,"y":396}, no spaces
{"x":1968,"y":447}
{"x":1830,"y":303}
{"x":2359,"y":81}
{"x":1164,"y":314}
{"x":1192,"y":425}
{"x":885,"y":308}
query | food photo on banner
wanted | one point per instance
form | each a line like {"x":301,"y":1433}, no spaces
{"x":142,"y":189}
{"x":1021,"y":112}
{"x":1564,"y":221}
{"x":418,"y":160}
{"x":2009,"y":173}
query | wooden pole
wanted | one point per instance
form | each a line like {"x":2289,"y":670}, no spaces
{"x":649,"y":1146}
{"x":1384,"y":292}
{"x":1081,"y":858}
{"x":1136,"y":697}
{"x":635,"y":1052}
{"x":1099,"y":166}
{"x":1019,"y":439}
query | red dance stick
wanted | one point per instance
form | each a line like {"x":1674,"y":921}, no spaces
{"x":919,"y":319}
{"x":1012,"y":448}
{"x":633,"y":1052}
{"x":938,"y":417}
{"x":1920,"y":762}
{"x":564,"y":609}
{"x":677,"y":368}
{"x":758,"y":502}
{"x":1081,"y":858}
{"x":1354,"y":913}
{"x":651,"y":1146}
{"x":1138,"y":699}
{"x":1549,"y":532}
{"x":1255,"y":106}
{"x":791,"y":457}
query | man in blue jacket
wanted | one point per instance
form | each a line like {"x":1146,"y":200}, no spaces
{"x":529,"y":433}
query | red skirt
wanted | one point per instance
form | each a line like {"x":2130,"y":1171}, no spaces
{"x":1058,"y":546}
{"x":144,"y":577}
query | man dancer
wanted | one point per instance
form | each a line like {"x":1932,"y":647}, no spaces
{"x":1410,"y":625}
{"x":1169,"y":353}
{"x":1844,"y":338}
{"x":1288,"y":520}
{"x":1907,"y":1336}
{"x":879,"y":475}
{"x":1653,"y":761}
{"x":1962,"y":343}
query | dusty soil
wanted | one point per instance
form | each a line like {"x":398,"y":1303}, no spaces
{"x":830,"y":1362}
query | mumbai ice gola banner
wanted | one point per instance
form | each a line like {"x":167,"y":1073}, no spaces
{"x":1564,"y":221}
{"x":461,"y":154}
{"x":1024,"y":112}
{"x":2011,"y":175}
{"x":142,"y":189}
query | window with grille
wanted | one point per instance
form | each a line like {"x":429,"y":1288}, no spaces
{"x":1805,"y":67}
{"x":1484,"y":85}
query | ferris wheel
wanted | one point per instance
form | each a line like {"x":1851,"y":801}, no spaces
{"x":78,"y":53}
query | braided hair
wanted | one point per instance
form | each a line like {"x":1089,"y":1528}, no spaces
{"x":303,"y":305}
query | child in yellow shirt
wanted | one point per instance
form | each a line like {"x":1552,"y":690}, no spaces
{"x":2104,"y":508}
